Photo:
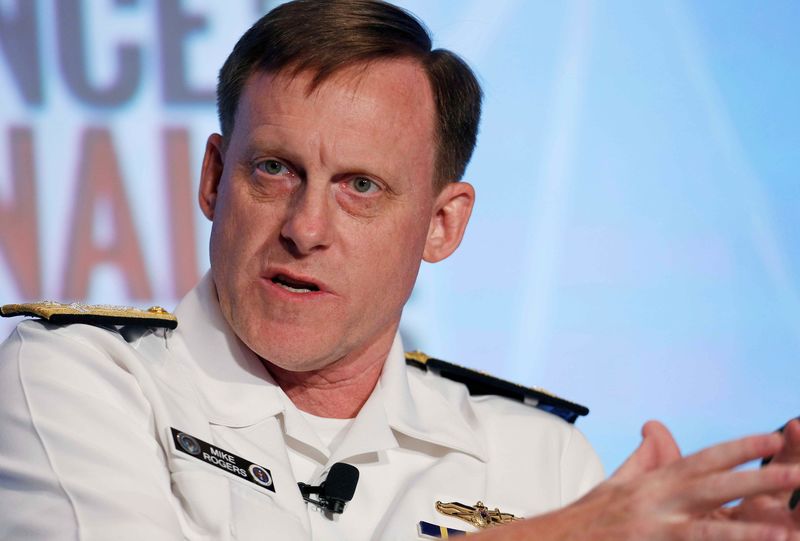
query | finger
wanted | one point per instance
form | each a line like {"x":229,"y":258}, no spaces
{"x":718,"y":530}
{"x":667,"y":450}
{"x":764,"y":509}
{"x":791,"y":447}
{"x":710,"y":491}
{"x":789,"y":454}
{"x":784,"y":428}
{"x":728,"y":455}
{"x":658,"y":448}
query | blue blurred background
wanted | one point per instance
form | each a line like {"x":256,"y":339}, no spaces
{"x":633,"y":245}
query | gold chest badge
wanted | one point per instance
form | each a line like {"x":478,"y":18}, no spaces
{"x":478,"y":515}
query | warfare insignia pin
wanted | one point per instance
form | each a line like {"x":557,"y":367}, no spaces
{"x":479,"y":515}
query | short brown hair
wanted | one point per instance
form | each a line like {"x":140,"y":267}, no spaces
{"x":326,"y":36}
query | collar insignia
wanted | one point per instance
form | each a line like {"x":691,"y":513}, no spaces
{"x":479,"y":515}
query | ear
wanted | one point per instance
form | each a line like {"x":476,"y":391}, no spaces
{"x":451,"y":212}
{"x":210,"y":175}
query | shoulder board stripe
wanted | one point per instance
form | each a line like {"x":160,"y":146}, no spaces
{"x":480,"y":383}
{"x":62,"y":314}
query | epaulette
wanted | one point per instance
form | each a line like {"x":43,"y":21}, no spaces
{"x":480,"y":383}
{"x":98,"y":314}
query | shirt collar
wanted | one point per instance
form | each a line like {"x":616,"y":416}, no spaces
{"x":235,"y":388}
{"x":423,"y":412}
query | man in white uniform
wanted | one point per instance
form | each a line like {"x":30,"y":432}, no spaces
{"x":344,"y":138}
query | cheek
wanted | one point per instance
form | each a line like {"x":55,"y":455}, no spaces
{"x":390,"y":258}
{"x":223,"y":235}
{"x":246,"y":218}
{"x":239,"y":229}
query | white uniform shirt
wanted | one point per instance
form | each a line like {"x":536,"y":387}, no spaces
{"x":86,"y":450}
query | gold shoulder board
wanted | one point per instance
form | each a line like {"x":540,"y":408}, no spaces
{"x":98,"y":314}
{"x":481,"y":383}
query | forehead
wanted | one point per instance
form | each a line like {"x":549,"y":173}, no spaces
{"x":403,"y":80}
{"x":387,"y":103}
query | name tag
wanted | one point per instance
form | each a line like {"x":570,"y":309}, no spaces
{"x":222,"y":459}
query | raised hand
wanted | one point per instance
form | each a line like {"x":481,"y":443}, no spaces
{"x":657,"y":495}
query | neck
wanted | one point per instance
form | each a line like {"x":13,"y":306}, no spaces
{"x":336,"y":391}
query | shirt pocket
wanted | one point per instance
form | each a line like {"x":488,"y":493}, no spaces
{"x":220,"y":507}
{"x":206,"y":503}
{"x":258,"y":516}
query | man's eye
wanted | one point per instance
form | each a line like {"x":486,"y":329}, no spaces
{"x":272,"y":167}
{"x":364,"y":185}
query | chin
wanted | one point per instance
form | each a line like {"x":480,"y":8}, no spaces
{"x":292,"y":351}
{"x":295,"y":361}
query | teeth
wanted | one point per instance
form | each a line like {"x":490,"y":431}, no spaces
{"x":294,"y":286}
{"x":294,"y":289}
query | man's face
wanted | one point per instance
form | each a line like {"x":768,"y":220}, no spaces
{"x":322,"y":206}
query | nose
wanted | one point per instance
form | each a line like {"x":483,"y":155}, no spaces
{"x":308,"y":226}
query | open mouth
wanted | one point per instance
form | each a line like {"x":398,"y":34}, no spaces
{"x":293,"y":285}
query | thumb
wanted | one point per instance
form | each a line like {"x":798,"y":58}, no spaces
{"x":658,"y":449}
